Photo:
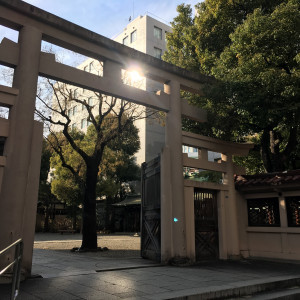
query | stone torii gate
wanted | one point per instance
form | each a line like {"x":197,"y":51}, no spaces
{"x":20,"y":162}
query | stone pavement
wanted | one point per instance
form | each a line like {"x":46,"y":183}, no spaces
{"x":51,"y":263}
{"x":208,"y":280}
{"x":70,"y":275}
{"x":59,"y":263}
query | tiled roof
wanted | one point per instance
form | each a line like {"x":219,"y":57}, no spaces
{"x":269,"y":179}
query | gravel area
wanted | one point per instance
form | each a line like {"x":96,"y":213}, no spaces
{"x":119,"y":245}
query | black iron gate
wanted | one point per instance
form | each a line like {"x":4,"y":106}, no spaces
{"x":206,"y":224}
{"x":151,"y":229}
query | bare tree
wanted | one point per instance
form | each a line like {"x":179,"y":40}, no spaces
{"x":109,"y":116}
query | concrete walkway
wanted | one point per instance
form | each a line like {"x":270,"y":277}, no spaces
{"x":68,"y":275}
{"x":210,"y":280}
{"x":52,"y":264}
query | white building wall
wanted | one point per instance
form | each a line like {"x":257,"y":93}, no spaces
{"x":152,"y":134}
{"x":138,"y":24}
{"x":138,"y":34}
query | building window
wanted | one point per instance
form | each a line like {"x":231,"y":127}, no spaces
{"x":157,"y":52}
{"x":263,"y":212}
{"x":293,"y":211}
{"x":75,"y":93}
{"x":133,"y":36}
{"x":158,"y":32}
{"x":83,"y":123}
{"x":126,"y":41}
{"x":74,"y":125}
{"x":90,"y":101}
{"x":74,"y":110}
{"x":70,"y":111}
{"x":91,"y":66}
{"x":2,"y":142}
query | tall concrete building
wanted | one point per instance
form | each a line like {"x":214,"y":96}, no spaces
{"x":147,"y":35}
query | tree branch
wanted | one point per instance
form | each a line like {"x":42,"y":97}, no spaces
{"x":58,"y":149}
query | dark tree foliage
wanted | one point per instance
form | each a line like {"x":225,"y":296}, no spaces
{"x":252,"y":49}
{"x":45,"y":197}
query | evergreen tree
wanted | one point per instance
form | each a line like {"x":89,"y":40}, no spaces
{"x":252,"y":49}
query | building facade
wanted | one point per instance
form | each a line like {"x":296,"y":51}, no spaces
{"x":269,"y":215}
{"x":147,"y":35}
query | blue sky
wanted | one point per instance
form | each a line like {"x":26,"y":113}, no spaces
{"x":110,"y":17}
{"x":105,"y":17}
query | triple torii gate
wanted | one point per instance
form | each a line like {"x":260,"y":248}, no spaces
{"x":20,"y":164}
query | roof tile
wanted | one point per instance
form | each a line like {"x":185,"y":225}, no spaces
{"x":277,"y":178}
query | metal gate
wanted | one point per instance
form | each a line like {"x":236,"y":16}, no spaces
{"x":151,"y":229}
{"x":206,"y":224}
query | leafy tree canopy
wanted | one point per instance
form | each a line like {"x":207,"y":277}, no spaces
{"x":252,"y":48}
{"x":116,"y":166}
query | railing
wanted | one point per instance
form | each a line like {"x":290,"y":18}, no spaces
{"x":17,"y":267}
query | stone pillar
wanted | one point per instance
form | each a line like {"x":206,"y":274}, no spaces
{"x":112,"y":71}
{"x":20,"y":187}
{"x":282,"y":211}
{"x":166,"y":206}
{"x":232,"y":233}
{"x":190,"y":223}
{"x":283,"y":224}
{"x":174,"y":142}
{"x":223,"y":236}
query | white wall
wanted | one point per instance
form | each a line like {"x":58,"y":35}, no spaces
{"x":268,"y":242}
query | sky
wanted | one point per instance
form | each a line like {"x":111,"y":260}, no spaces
{"x":105,"y":17}
{"x":110,"y":17}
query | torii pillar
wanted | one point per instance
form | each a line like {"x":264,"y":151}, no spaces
{"x":173,"y":239}
{"x":23,"y":152}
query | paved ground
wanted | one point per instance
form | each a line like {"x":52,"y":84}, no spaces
{"x":119,"y":245}
{"x":52,"y":256}
{"x":85,"y":276}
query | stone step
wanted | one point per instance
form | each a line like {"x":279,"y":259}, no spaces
{"x":277,"y":289}
{"x":292,"y":293}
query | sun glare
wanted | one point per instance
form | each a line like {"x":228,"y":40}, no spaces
{"x":135,"y":76}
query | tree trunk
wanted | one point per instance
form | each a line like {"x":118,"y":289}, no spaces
{"x":46,"y":223}
{"x":112,"y":221}
{"x":89,"y":223}
{"x":276,"y":156}
{"x":274,"y":159}
{"x":74,"y":215}
{"x":289,"y":159}
{"x":107,"y":225}
{"x":265,"y":150}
